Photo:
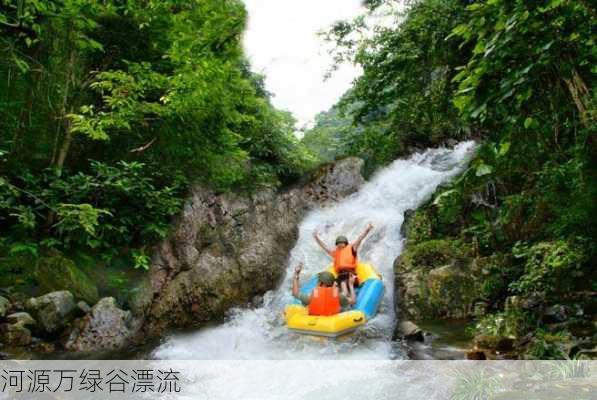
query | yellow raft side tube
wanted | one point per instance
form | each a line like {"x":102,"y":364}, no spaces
{"x":298,"y":318}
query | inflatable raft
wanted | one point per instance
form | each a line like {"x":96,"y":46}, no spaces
{"x":368,"y":294}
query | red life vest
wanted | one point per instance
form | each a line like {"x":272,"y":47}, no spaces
{"x":345,"y":259}
{"x":324,"y":301}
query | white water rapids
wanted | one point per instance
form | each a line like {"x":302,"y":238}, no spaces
{"x":260,"y":333}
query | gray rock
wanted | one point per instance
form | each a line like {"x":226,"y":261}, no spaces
{"x":4,"y":306}
{"x":21,"y":318}
{"x":15,"y":334}
{"x":226,"y":249}
{"x":408,"y":330}
{"x":83,"y":307}
{"x":556,"y":313}
{"x":405,"y":227}
{"x":53,"y":311}
{"x":533,"y":301}
{"x":105,"y":328}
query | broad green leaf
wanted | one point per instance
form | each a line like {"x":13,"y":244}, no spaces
{"x":483,"y":169}
{"x":504,"y":148}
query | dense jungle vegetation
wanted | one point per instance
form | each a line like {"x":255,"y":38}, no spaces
{"x":109,"y":110}
{"x":519,"y":77}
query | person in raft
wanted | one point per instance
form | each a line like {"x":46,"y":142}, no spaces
{"x":344,"y":256}
{"x":325,"y":299}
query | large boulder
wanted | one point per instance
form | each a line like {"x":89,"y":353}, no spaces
{"x":227,"y":248}
{"x":436,"y":279}
{"x":59,"y":273}
{"x":105,"y":328}
{"x":52,"y":311}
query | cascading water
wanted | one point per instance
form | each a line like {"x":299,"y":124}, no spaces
{"x":260,"y":333}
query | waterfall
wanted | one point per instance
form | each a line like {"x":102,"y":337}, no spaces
{"x":259,"y":333}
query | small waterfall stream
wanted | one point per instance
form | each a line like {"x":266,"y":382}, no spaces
{"x":260,"y":334}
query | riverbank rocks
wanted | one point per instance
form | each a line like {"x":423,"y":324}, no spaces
{"x":106,"y":328}
{"x":53,"y":311}
{"x":489,"y":347}
{"x":59,"y":273}
{"x":15,"y":334}
{"x":4,"y":306}
{"x":21,"y":318}
{"x":226,"y":249}
{"x":436,"y":279}
{"x":408,"y":330}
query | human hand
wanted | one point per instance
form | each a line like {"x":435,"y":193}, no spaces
{"x":298,"y":269}
{"x":351,"y":279}
{"x":315,"y":234}
{"x":369,"y":226}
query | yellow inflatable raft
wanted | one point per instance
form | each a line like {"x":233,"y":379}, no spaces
{"x":369,"y":295}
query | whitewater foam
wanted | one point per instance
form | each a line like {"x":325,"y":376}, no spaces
{"x":260,"y":334}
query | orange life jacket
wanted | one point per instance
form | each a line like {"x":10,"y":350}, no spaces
{"x":344,"y":259}
{"x":324,"y":301}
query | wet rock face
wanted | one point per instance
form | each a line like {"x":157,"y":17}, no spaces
{"x":52,"y":311}
{"x":227,"y":248}
{"x":436,"y":279}
{"x":105,"y":328}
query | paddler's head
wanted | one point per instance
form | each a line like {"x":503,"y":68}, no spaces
{"x":326,"y":278}
{"x":341,"y":241}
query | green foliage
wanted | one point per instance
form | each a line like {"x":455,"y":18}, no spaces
{"x":118,"y":205}
{"x":106,"y":94}
{"x":449,"y":206}
{"x":403,"y":97}
{"x":432,"y":253}
{"x":75,"y":217}
{"x":519,"y":75}
{"x":511,"y":323}
{"x":329,"y":138}
{"x":569,"y":370}
{"x":549,"y":267}
{"x":140,"y":259}
{"x":419,"y":227}
{"x":545,"y":346}
{"x":478,"y":384}
{"x":540,"y":48}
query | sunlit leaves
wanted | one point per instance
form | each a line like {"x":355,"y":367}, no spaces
{"x":79,"y":216}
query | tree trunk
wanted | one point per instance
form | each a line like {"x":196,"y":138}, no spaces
{"x":61,"y":153}
{"x":580,"y":95}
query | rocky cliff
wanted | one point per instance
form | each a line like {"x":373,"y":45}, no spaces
{"x":227,"y":248}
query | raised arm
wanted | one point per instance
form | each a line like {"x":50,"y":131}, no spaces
{"x":322,"y":244}
{"x":295,"y":280}
{"x":362,"y":236}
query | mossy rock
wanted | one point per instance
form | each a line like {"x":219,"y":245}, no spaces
{"x":417,"y":226}
{"x":451,"y":292}
{"x":435,"y":279}
{"x":449,"y":207}
{"x":59,"y":273}
{"x":431,"y":254}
